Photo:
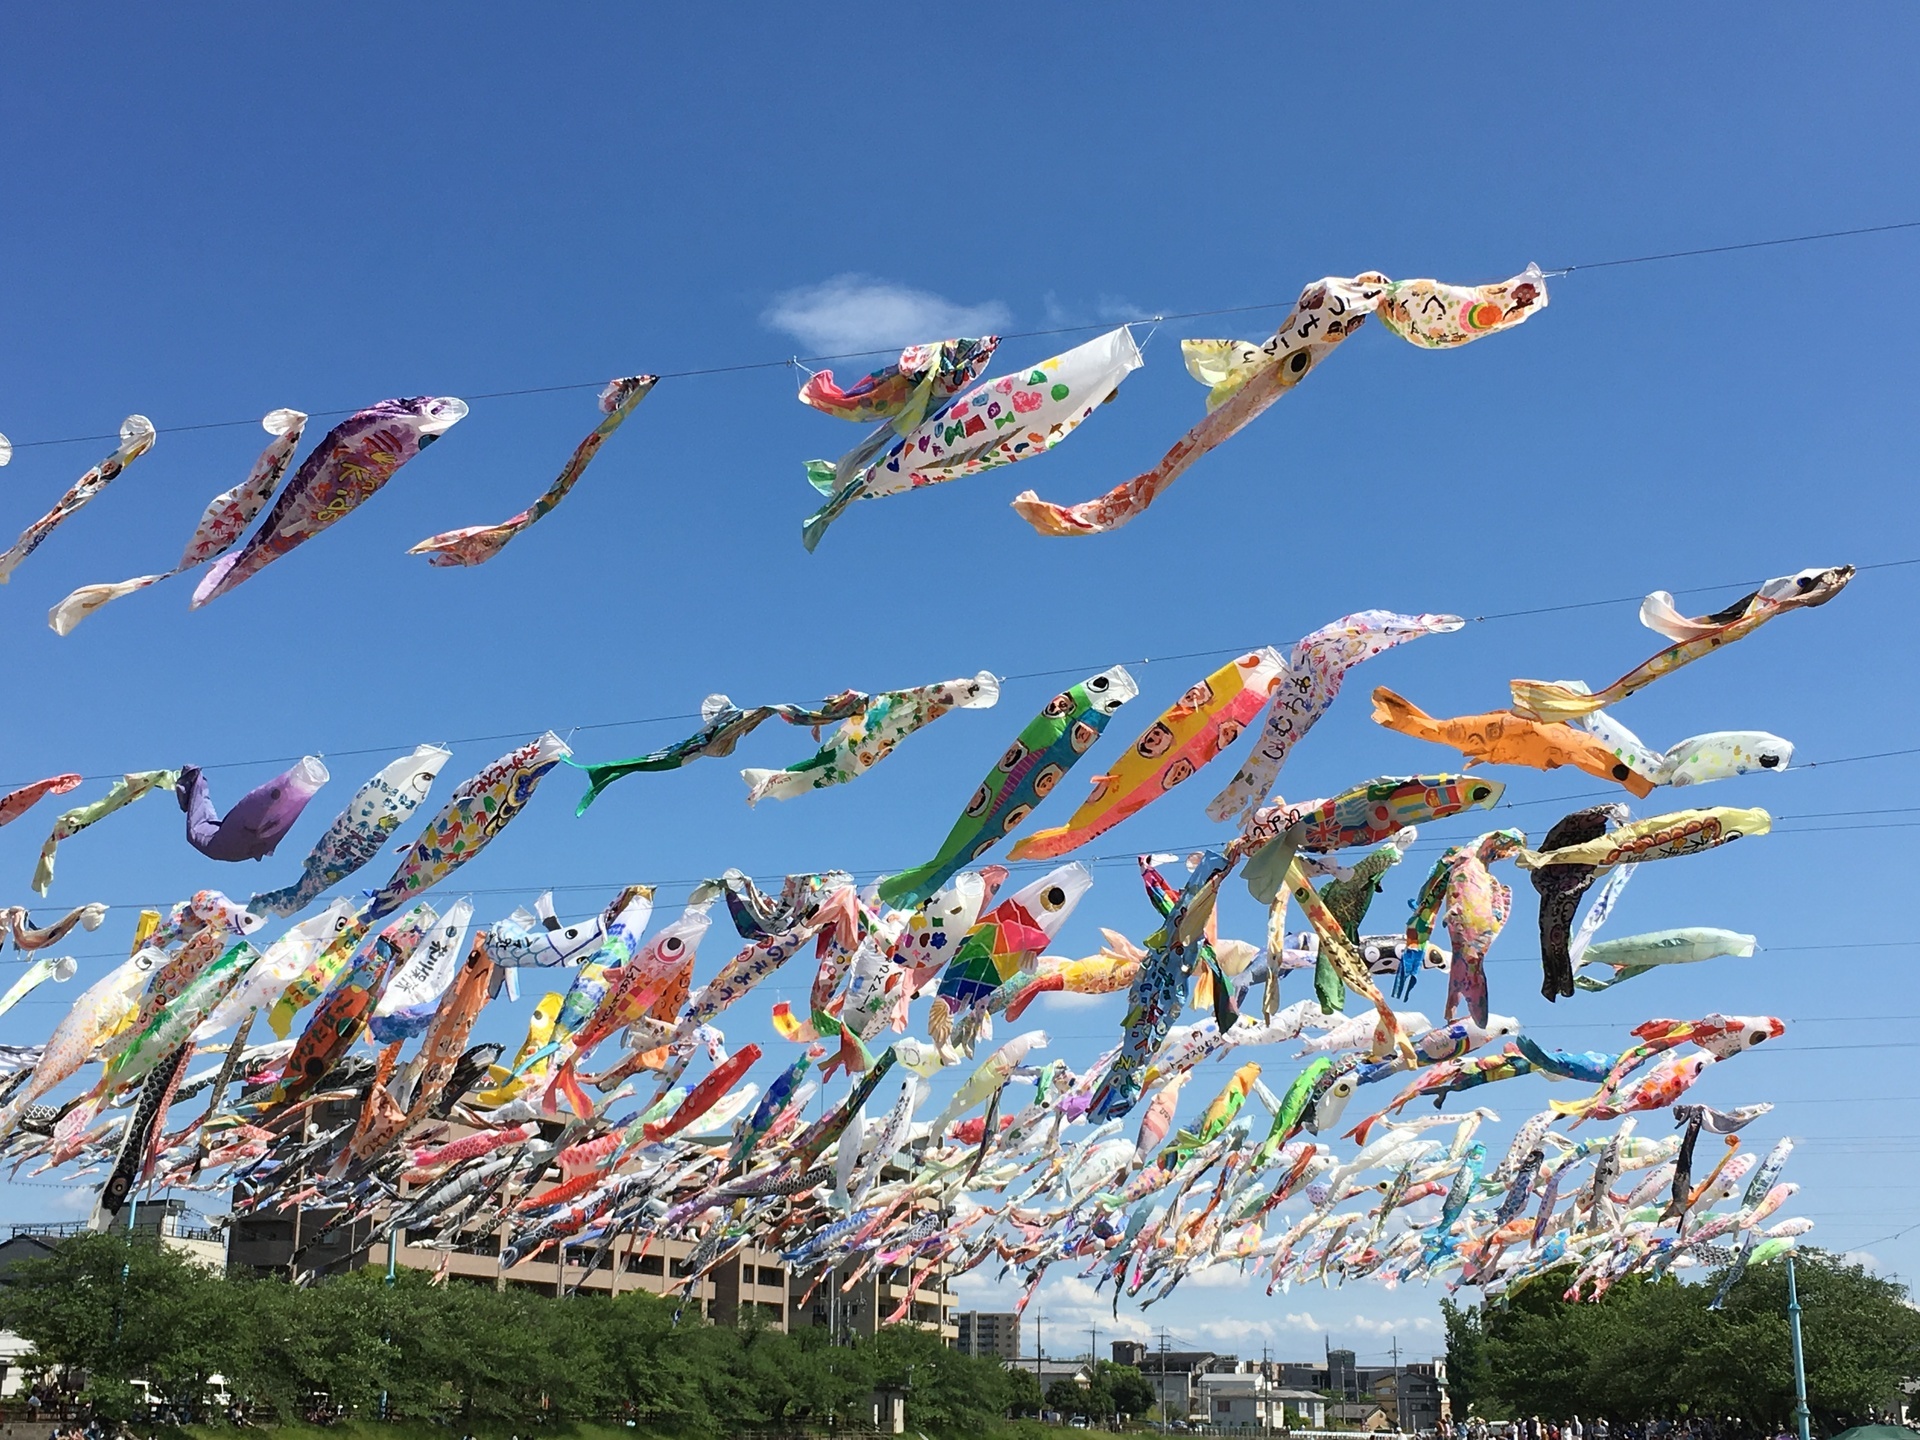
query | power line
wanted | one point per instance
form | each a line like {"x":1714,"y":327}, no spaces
{"x":668,"y":891}
{"x":1745,"y":245}
{"x":671,"y":891}
{"x":792,"y":361}
{"x":521,"y":734}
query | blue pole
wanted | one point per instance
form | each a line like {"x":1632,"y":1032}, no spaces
{"x":1801,"y":1416}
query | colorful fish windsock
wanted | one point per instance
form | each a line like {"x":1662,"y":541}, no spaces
{"x":136,"y":438}
{"x":1050,"y":745}
{"x":1245,"y":378}
{"x":352,"y":462}
{"x":477,"y":544}
{"x":999,"y":422}
{"x":477,"y":811}
{"x":377,"y":809}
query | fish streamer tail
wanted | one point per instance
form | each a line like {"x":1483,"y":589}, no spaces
{"x":599,"y":777}
{"x":822,"y":474}
{"x":566,"y":1082}
{"x":910,"y":887}
{"x":1540,"y":700}
{"x":1031,"y":992}
{"x":1266,"y":872}
{"x":1396,"y":712}
{"x":1577,"y":1109}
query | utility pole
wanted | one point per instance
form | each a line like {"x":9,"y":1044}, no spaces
{"x":1162,"y":1387}
{"x":1265,"y":1383}
{"x":1399,"y":1406}
{"x":1801,"y":1418}
{"x":1093,"y":1361}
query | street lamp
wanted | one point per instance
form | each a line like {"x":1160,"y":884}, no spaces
{"x":1801,"y":1418}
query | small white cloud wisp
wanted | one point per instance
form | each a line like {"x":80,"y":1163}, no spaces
{"x":853,"y":313}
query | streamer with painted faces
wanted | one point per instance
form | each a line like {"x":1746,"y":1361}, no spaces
{"x":1196,"y":729}
{"x":1244,"y":378}
{"x":1052,"y":742}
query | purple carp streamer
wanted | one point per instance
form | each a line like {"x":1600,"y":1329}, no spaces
{"x":357,"y":457}
{"x":259,"y":819}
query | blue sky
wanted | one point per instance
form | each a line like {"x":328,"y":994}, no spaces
{"x":221,"y":211}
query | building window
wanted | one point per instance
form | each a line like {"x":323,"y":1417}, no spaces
{"x":646,"y":1264}
{"x":1222,"y":1407}
{"x":771,"y":1277}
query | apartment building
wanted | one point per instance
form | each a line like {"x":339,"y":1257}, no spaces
{"x":853,"y":1299}
{"x":988,"y":1332}
{"x":307,"y":1243}
{"x":176,"y":1226}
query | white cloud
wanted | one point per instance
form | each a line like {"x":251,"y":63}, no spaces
{"x":1236,"y":1328}
{"x":852,"y":313}
{"x":1070,"y":1305}
{"x":77,"y":1201}
{"x":1219,"y":1277}
{"x":1073,"y":1000}
{"x":1304,"y":1322}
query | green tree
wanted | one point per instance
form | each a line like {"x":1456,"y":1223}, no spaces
{"x":1069,"y":1397}
{"x":1023,"y":1392}
{"x":122,"y":1309}
{"x":1652,"y":1348}
{"x":946,"y":1391}
{"x":1132,"y":1392}
{"x":1468,"y":1381}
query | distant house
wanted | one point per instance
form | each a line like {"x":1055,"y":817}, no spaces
{"x":1360,"y":1414}
{"x":1172,"y":1373}
{"x":1079,"y":1372}
{"x":1253,"y":1401}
